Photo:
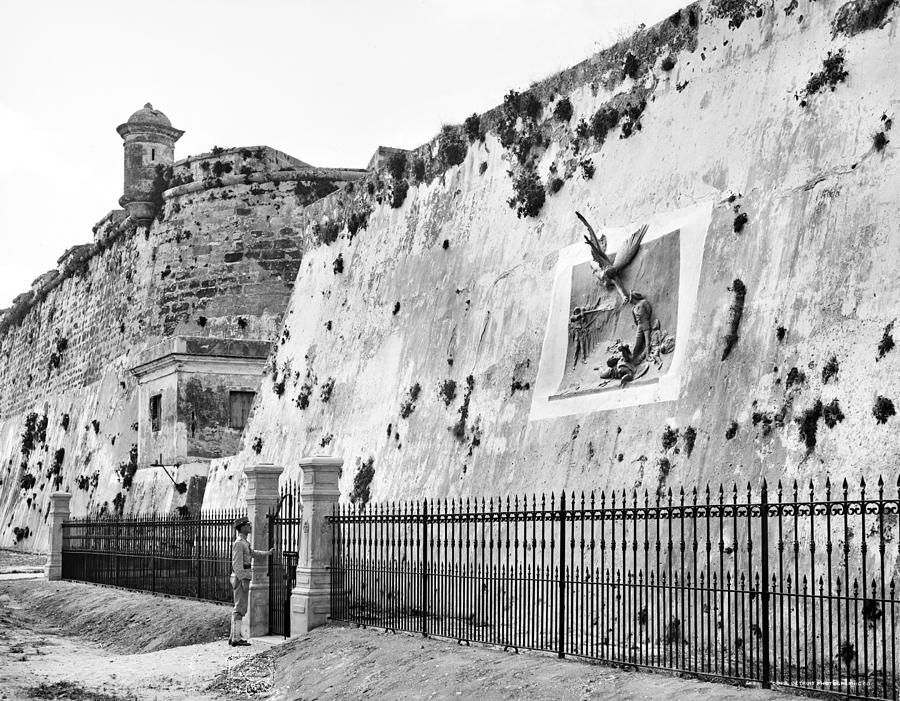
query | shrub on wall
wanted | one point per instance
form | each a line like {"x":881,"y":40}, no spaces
{"x":604,"y":119}
{"x":563,"y":109}
{"x":409,"y":405}
{"x":127,"y":470}
{"x":419,"y":169}
{"x":832,"y":73}
{"x":472,"y":128}
{"x":358,"y":220}
{"x":529,"y":194}
{"x":327,"y":232}
{"x":327,"y":389}
{"x":630,"y":65}
{"x":587,"y":168}
{"x":451,"y":147}
{"x":362,"y":483}
{"x":396,"y":165}
{"x":398,"y":193}
{"x":447,"y":391}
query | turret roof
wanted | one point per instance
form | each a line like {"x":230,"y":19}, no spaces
{"x":148,"y":115}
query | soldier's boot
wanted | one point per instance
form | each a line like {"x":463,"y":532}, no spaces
{"x":236,"y":623}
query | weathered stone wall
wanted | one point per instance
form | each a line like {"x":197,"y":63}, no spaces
{"x":452,"y":285}
{"x":221,"y":262}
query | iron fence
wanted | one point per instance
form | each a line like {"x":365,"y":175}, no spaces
{"x":797,"y":590}
{"x":162,"y":553}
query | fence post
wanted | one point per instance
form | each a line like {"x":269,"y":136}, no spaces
{"x":198,"y":560}
{"x":262,"y":496}
{"x":424,"y":536}
{"x":562,"y":575}
{"x":311,"y":597}
{"x":764,"y":554}
{"x":59,"y":512}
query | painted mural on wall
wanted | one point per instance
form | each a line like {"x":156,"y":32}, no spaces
{"x":620,"y":314}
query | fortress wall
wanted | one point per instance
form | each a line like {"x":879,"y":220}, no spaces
{"x":722,"y":130}
{"x":227,"y":254}
{"x":79,"y":323}
{"x":225,"y":261}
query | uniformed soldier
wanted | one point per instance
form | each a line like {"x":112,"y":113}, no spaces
{"x":241,"y":557}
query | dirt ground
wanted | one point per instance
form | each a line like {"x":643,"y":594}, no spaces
{"x":14,"y":561}
{"x":65,"y":640}
{"x":348,"y":663}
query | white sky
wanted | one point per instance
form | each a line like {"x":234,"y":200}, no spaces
{"x":326,"y":81}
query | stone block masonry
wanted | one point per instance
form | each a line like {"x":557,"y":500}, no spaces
{"x":219,"y":262}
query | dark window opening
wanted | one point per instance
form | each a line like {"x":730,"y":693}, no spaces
{"x":155,"y":411}
{"x":240,"y":403}
{"x":153,"y":154}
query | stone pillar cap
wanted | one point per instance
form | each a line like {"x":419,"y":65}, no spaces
{"x":263,"y":467}
{"x":60,"y":496}
{"x":323,"y":460}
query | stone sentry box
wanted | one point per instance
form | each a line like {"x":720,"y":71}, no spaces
{"x":194,"y":396}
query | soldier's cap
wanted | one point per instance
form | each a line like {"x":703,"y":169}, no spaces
{"x":238,"y":522}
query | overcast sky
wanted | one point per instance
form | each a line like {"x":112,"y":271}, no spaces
{"x":325,"y":81}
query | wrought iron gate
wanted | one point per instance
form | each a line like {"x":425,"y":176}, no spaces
{"x":284,"y":536}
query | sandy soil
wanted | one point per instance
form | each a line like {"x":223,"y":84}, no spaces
{"x":64,"y":640}
{"x":348,"y":663}
{"x":19,"y":561}
{"x":108,"y":644}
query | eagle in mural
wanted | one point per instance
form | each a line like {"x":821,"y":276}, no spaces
{"x":606,"y":266}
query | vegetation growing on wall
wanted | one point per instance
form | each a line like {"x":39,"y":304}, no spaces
{"x":396,"y":165}
{"x":562,"y":110}
{"x":860,"y":15}
{"x":451,"y":147}
{"x":409,"y":404}
{"x":529,"y":195}
{"x":447,"y":391}
{"x":886,"y":344}
{"x":883,"y":409}
{"x":362,"y":484}
{"x":29,"y":435}
{"x":735,"y":312}
{"x":832,"y":73}
{"x":472,"y":128}
{"x":126,"y":470}
{"x":398,"y":193}
{"x":459,"y":428}
{"x":308,"y":191}
{"x":306,"y":390}
{"x":327,"y":232}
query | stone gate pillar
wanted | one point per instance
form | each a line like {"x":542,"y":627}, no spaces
{"x":311,"y":597}
{"x":262,"y":495}
{"x":59,"y":512}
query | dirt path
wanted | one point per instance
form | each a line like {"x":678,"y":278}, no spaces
{"x":101,"y":643}
{"x":18,"y":562}
{"x":74,"y":641}
{"x":348,"y":663}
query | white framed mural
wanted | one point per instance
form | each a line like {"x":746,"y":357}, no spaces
{"x":620,"y":313}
